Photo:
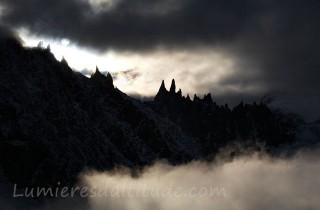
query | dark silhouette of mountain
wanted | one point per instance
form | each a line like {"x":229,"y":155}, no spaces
{"x":214,"y":126}
{"x":55,"y":122}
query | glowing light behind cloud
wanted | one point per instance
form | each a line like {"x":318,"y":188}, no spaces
{"x":65,"y":42}
{"x":78,"y":58}
{"x":188,"y":68}
{"x":191,"y":69}
{"x":102,"y":5}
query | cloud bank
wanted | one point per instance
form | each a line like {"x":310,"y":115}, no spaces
{"x":274,"y":44}
{"x":247,"y":183}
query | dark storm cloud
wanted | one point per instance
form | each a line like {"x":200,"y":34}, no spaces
{"x":139,"y":24}
{"x":6,"y":33}
{"x":274,"y":42}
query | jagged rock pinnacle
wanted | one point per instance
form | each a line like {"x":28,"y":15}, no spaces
{"x":106,"y":81}
{"x":188,"y":97}
{"x":196,"y":98}
{"x":179,"y":93}
{"x":162,"y":92}
{"x":40,"y":44}
{"x":162,"y":87}
{"x":173,"y":86}
{"x":109,"y":80}
{"x":64,"y":61}
{"x":97,"y":70}
{"x":207,"y":98}
{"x":49,"y":48}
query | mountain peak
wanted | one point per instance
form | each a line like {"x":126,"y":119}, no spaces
{"x":162,"y":92}
{"x":196,"y":98}
{"x":173,"y":86}
{"x":64,"y":61}
{"x":179,"y":93}
{"x":107,"y":127}
{"x":163,"y":86}
{"x":100,"y":78}
{"x":97,"y":72}
{"x":207,"y":98}
{"x":188,"y":97}
{"x":109,"y":79}
{"x":48,"y":48}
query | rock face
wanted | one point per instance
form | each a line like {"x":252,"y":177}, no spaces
{"x":162,"y":93}
{"x":173,"y":87}
{"x":55,"y":122}
{"x":215,"y":126}
{"x":104,"y":82}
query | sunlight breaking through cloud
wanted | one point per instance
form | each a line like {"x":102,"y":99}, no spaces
{"x":198,"y":71}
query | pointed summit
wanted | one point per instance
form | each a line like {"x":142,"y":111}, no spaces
{"x":109,"y":81}
{"x":188,"y":97}
{"x":179,"y":93}
{"x":64,"y":61}
{"x":207,"y":98}
{"x":196,"y":98}
{"x":48,"y":48}
{"x":162,"y":93}
{"x":163,"y":86}
{"x":173,"y":86}
{"x":96,"y":74}
{"x":99,"y":78}
{"x":40,"y":44}
{"x":97,"y":71}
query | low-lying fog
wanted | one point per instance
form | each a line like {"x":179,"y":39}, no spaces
{"x":251,"y":182}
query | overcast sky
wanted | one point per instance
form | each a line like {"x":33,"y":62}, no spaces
{"x":236,"y":49}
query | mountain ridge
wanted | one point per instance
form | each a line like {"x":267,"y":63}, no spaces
{"x":56,"y":123}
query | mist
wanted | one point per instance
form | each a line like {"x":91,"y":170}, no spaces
{"x":251,"y":182}
{"x":254,"y":181}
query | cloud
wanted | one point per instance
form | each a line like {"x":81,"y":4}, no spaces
{"x":249,"y":182}
{"x":134,"y":25}
{"x":246,"y":183}
{"x":127,"y":76}
{"x":275,"y":44}
{"x":7,"y":33}
{"x":143,"y":24}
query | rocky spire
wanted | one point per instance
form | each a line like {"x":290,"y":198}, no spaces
{"x":173,"y":86}
{"x":100,"y":79}
{"x":40,"y":44}
{"x":64,"y":61}
{"x":48,"y":48}
{"x":97,"y":72}
{"x":162,"y":92}
{"x":163,"y":86}
{"x":109,"y":81}
{"x":179,"y":93}
{"x":207,"y":98}
{"x":196,"y":98}
{"x":188,"y":97}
